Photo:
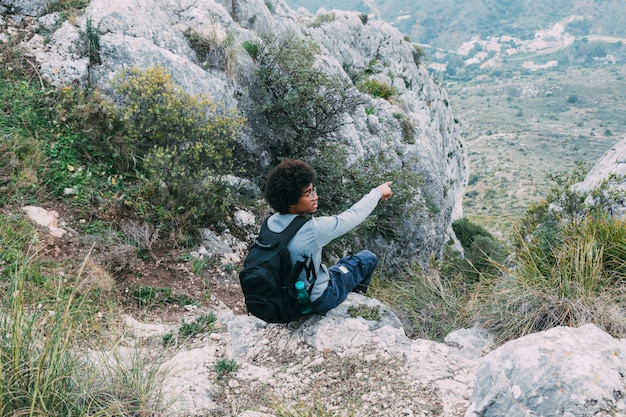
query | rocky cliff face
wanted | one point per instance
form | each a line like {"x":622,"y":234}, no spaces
{"x":145,"y":33}
{"x":610,"y":172}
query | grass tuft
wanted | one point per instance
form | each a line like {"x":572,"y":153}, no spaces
{"x":577,"y":278}
{"x":428,"y":304}
{"x":47,"y":319}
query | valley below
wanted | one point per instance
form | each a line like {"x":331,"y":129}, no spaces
{"x":521,"y":129}
{"x":547,"y":93}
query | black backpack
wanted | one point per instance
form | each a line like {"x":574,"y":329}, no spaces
{"x":267,"y":279}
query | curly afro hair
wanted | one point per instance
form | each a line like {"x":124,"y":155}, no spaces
{"x":284,"y":183}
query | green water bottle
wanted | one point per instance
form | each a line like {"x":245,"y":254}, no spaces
{"x":304,"y":302}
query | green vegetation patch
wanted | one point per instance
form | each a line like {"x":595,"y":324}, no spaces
{"x":378,"y":89}
{"x":368,"y":313}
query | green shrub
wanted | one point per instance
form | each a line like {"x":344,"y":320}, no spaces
{"x":418,"y":54}
{"x":26,"y":119}
{"x":43,"y":372}
{"x":490,"y":194}
{"x":157,"y":296}
{"x":356,"y":180}
{"x":80,"y":172}
{"x":20,"y":160}
{"x":303,"y":104}
{"x":36,"y":368}
{"x":161,"y":116}
{"x":473,"y":179}
{"x":466,"y":231}
{"x":368,"y":313}
{"x":539,"y":216}
{"x":482,"y":252}
{"x":252,"y":48}
{"x":378,"y":89}
{"x":184,"y":144}
{"x":571,"y":285}
{"x":224,"y":366}
{"x":126,"y":383}
{"x":199,"y":325}
{"x":211,"y":51}
{"x":569,"y":267}
{"x":70,"y":7}
{"x":408,"y":129}
{"x":321,"y":19}
{"x":91,"y":39}
{"x":149,"y":296}
{"x":57,"y":142}
{"x":480,"y":259}
{"x":609,"y":234}
{"x":16,"y":237}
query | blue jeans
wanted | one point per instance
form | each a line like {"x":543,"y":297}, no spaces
{"x":352,"y":273}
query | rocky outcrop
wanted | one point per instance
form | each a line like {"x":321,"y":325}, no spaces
{"x":322,"y":360}
{"x":559,"y":372}
{"x":145,"y":33}
{"x":609,"y":172}
{"x":33,"y":8}
{"x":363,"y":363}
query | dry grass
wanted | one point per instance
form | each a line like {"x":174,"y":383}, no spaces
{"x":577,"y":278}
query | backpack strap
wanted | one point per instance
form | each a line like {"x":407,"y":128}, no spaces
{"x":283,"y":237}
{"x":267,"y":237}
{"x":311,"y":274}
{"x":291,"y":230}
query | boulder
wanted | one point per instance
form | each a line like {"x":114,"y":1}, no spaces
{"x":610,"y":171}
{"x":575,"y":372}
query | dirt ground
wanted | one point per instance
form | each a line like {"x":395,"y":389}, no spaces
{"x":166,"y":270}
{"x":152,"y":286}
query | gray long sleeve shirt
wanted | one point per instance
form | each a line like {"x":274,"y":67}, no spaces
{"x":320,"y":231}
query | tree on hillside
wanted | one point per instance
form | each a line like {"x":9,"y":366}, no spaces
{"x":302,"y":103}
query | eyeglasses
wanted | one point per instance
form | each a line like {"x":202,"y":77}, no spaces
{"x":312,"y":193}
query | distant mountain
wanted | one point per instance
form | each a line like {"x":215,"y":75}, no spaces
{"x":447,"y":24}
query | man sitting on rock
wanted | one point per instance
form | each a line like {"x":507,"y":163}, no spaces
{"x":290,"y":191}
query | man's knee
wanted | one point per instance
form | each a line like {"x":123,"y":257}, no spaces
{"x":367,"y":258}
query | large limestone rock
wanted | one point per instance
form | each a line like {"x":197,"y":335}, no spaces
{"x":144,"y":33}
{"x":338,"y":354}
{"x":613,"y":162}
{"x":610,"y":169}
{"x":559,"y":372}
